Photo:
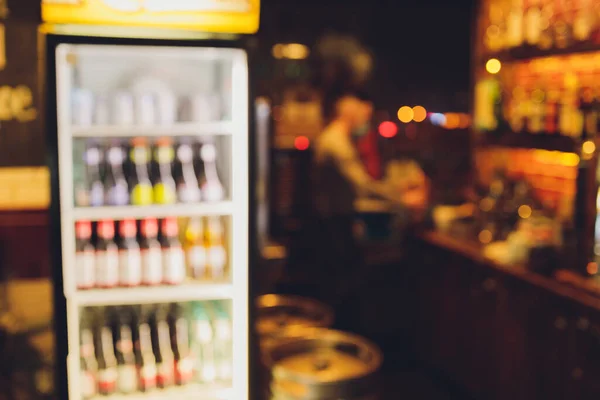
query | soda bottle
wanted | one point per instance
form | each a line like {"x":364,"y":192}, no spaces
{"x":130,"y":258}
{"x":195,"y":251}
{"x":144,"y":356}
{"x":202,"y":344}
{"x":87,"y":357}
{"x":180,"y":342}
{"x":172,"y":253}
{"x":117,"y":190}
{"x":105,"y":355}
{"x":141,"y":186}
{"x":107,"y":256}
{"x":212,"y":189}
{"x":91,"y":192}
{"x":188,"y":190}
{"x":85,"y":259}
{"x":152,"y":266}
{"x":223,"y":342}
{"x":215,"y":248}
{"x":126,"y":368}
{"x":164,"y":184}
{"x":161,"y":343}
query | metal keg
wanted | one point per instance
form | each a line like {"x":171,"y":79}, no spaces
{"x":323,"y":364}
{"x":280,"y":316}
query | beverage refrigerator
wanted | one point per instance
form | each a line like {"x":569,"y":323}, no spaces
{"x":149,"y":153}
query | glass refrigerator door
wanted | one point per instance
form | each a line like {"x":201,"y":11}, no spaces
{"x":153,"y":170}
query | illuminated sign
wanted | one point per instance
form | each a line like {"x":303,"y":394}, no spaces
{"x":219,"y":16}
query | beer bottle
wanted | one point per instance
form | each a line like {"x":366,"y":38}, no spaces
{"x":85,"y":259}
{"x":105,"y":354}
{"x":161,"y":343}
{"x":130,"y":258}
{"x":215,"y":248}
{"x":87,"y":356}
{"x":194,"y":248}
{"x":152,"y":268}
{"x":117,"y":190}
{"x":180,"y":342}
{"x":172,"y":253}
{"x":144,"y":356}
{"x":141,"y":186}
{"x":107,"y":256}
{"x":203,"y":352}
{"x":126,"y":368}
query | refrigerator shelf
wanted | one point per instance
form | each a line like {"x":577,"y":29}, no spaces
{"x":189,"y":392}
{"x":154,"y":295}
{"x":222,"y":208}
{"x":179,"y":129}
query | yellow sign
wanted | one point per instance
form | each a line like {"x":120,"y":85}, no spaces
{"x":218,"y":16}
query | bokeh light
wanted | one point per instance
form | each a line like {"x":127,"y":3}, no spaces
{"x":419,"y":113}
{"x":405,"y":114}
{"x":388,"y":129}
{"x":493,"y":66}
{"x":301,"y":143}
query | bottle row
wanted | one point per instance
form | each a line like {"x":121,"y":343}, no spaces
{"x":143,"y":109}
{"x":147,"y":256}
{"x":569,"y":111}
{"x":142,"y":173}
{"x":147,"y":348}
{"x":541,"y":24}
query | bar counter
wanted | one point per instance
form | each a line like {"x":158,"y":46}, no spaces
{"x":499,"y":331}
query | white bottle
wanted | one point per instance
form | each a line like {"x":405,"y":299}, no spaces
{"x":212,"y":189}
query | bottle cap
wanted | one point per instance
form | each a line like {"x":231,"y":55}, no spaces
{"x":128,"y":228}
{"x":169,"y":227}
{"x":106,"y":229}
{"x":149,"y":227}
{"x":83,"y":229}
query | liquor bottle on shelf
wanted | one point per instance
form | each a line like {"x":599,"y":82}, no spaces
{"x":107,"y":256}
{"x":172,"y":253}
{"x":165,"y":191}
{"x":588,"y":114}
{"x":215,"y":248}
{"x":105,"y":355}
{"x":91,"y":191}
{"x":130,"y":258}
{"x":180,"y":342}
{"x":85,"y":258}
{"x":188,"y":190}
{"x":144,"y":354}
{"x":536,"y":111}
{"x":161,"y":343}
{"x":518,"y":110}
{"x":87,"y":357}
{"x":563,"y":31}
{"x":533,"y":20}
{"x":152,"y":264}
{"x":117,"y":190}
{"x":223,"y":342}
{"x":212,"y":189}
{"x":127,"y":381}
{"x":546,"y":40}
{"x":195,"y":248}
{"x":141,"y":186}
{"x":584,"y":21}
{"x":202,"y":344}
{"x":514,"y":24}
{"x":552,"y":112}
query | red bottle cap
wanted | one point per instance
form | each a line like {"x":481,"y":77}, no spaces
{"x":149,"y":227}
{"x":83,"y":229}
{"x":169,"y":227}
{"x":128,"y":228}
{"x":106,"y":229}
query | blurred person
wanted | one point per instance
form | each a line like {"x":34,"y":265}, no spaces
{"x":339,"y":178}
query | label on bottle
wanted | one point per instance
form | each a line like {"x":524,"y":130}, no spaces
{"x":165,"y":373}
{"x":107,"y":268}
{"x":127,"y":380}
{"x":85,"y":269}
{"x":88,"y":384}
{"x":107,"y":380}
{"x":174,"y":265}
{"x":130,"y":267}
{"x":152,"y":271}
{"x":148,"y":377}
{"x":217,"y":259}
{"x":196,"y":258}
{"x":96,"y":194}
{"x":142,"y":194}
{"x":184,"y":371}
